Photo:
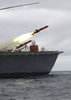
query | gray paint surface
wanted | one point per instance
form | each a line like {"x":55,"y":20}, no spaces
{"x":27,"y":62}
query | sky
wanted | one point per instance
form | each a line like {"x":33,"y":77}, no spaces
{"x":54,"y":13}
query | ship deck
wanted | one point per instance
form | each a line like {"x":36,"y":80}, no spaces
{"x":30,"y":53}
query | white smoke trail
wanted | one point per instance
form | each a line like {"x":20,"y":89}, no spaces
{"x":12,"y":43}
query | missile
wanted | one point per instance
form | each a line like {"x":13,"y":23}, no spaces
{"x":38,"y":30}
{"x":17,"y":47}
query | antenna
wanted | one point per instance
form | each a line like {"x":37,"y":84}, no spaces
{"x":18,"y":6}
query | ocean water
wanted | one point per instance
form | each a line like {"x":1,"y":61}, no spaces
{"x":55,"y":86}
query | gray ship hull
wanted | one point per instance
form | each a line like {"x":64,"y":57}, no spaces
{"x":19,"y":64}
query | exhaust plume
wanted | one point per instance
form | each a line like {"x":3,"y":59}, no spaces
{"x":13,"y":42}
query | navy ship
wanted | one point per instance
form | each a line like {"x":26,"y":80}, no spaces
{"x":20,"y":62}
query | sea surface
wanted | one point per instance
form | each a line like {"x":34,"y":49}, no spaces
{"x":55,"y":86}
